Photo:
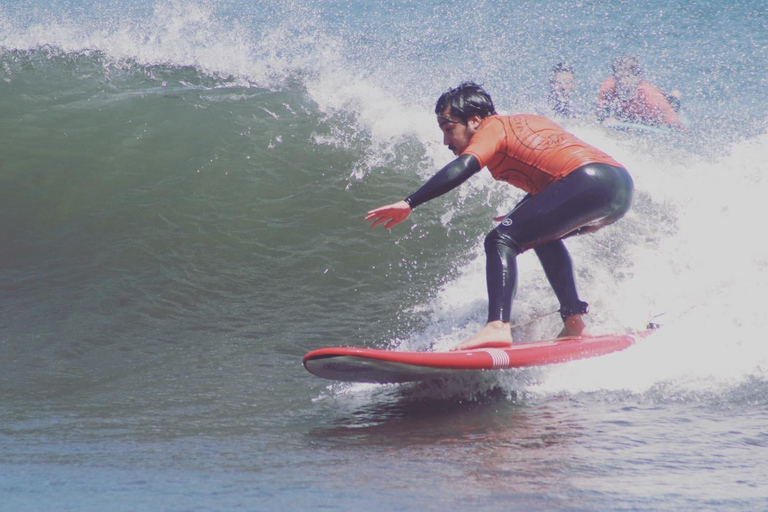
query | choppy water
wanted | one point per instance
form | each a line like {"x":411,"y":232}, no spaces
{"x":182,"y":192}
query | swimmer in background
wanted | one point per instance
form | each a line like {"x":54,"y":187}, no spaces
{"x":561,"y":98}
{"x":626,"y":97}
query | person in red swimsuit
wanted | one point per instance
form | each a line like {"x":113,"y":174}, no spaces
{"x":573,"y":188}
{"x":626,"y":97}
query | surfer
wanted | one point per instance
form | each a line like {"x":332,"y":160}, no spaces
{"x":573,"y":188}
{"x":626,"y":97}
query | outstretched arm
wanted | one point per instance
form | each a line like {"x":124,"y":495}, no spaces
{"x":446,"y":179}
{"x":393,"y":214}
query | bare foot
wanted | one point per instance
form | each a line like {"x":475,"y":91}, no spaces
{"x":494,"y":334}
{"x":574,"y":326}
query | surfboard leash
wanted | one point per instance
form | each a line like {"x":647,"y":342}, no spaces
{"x":654,"y":325}
{"x":534,"y":319}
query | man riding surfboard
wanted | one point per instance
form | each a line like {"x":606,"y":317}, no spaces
{"x":573,"y":188}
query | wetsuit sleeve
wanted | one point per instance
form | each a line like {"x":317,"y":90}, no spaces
{"x":446,"y":179}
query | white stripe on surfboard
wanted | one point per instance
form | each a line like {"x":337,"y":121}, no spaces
{"x":499,"y":357}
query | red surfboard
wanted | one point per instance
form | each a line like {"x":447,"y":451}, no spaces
{"x":352,"y":364}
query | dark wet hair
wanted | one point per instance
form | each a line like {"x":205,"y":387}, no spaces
{"x":465,"y":101}
{"x":628,"y":62}
{"x":562,"y":67}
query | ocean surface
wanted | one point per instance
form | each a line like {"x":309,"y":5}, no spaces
{"x":183,"y":187}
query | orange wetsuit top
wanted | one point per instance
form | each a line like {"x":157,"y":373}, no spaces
{"x":649,"y":106}
{"x":529,"y":151}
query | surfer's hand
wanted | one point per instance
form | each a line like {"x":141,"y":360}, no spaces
{"x":500,"y":218}
{"x":393,"y":214}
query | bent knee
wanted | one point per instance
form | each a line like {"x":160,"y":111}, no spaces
{"x":497,"y":242}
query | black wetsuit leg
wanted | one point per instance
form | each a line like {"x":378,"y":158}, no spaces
{"x":558,"y":267}
{"x":587,"y":199}
{"x":500,"y":276}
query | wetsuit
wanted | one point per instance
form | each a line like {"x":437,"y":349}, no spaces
{"x":649,"y":106}
{"x":572,"y":188}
